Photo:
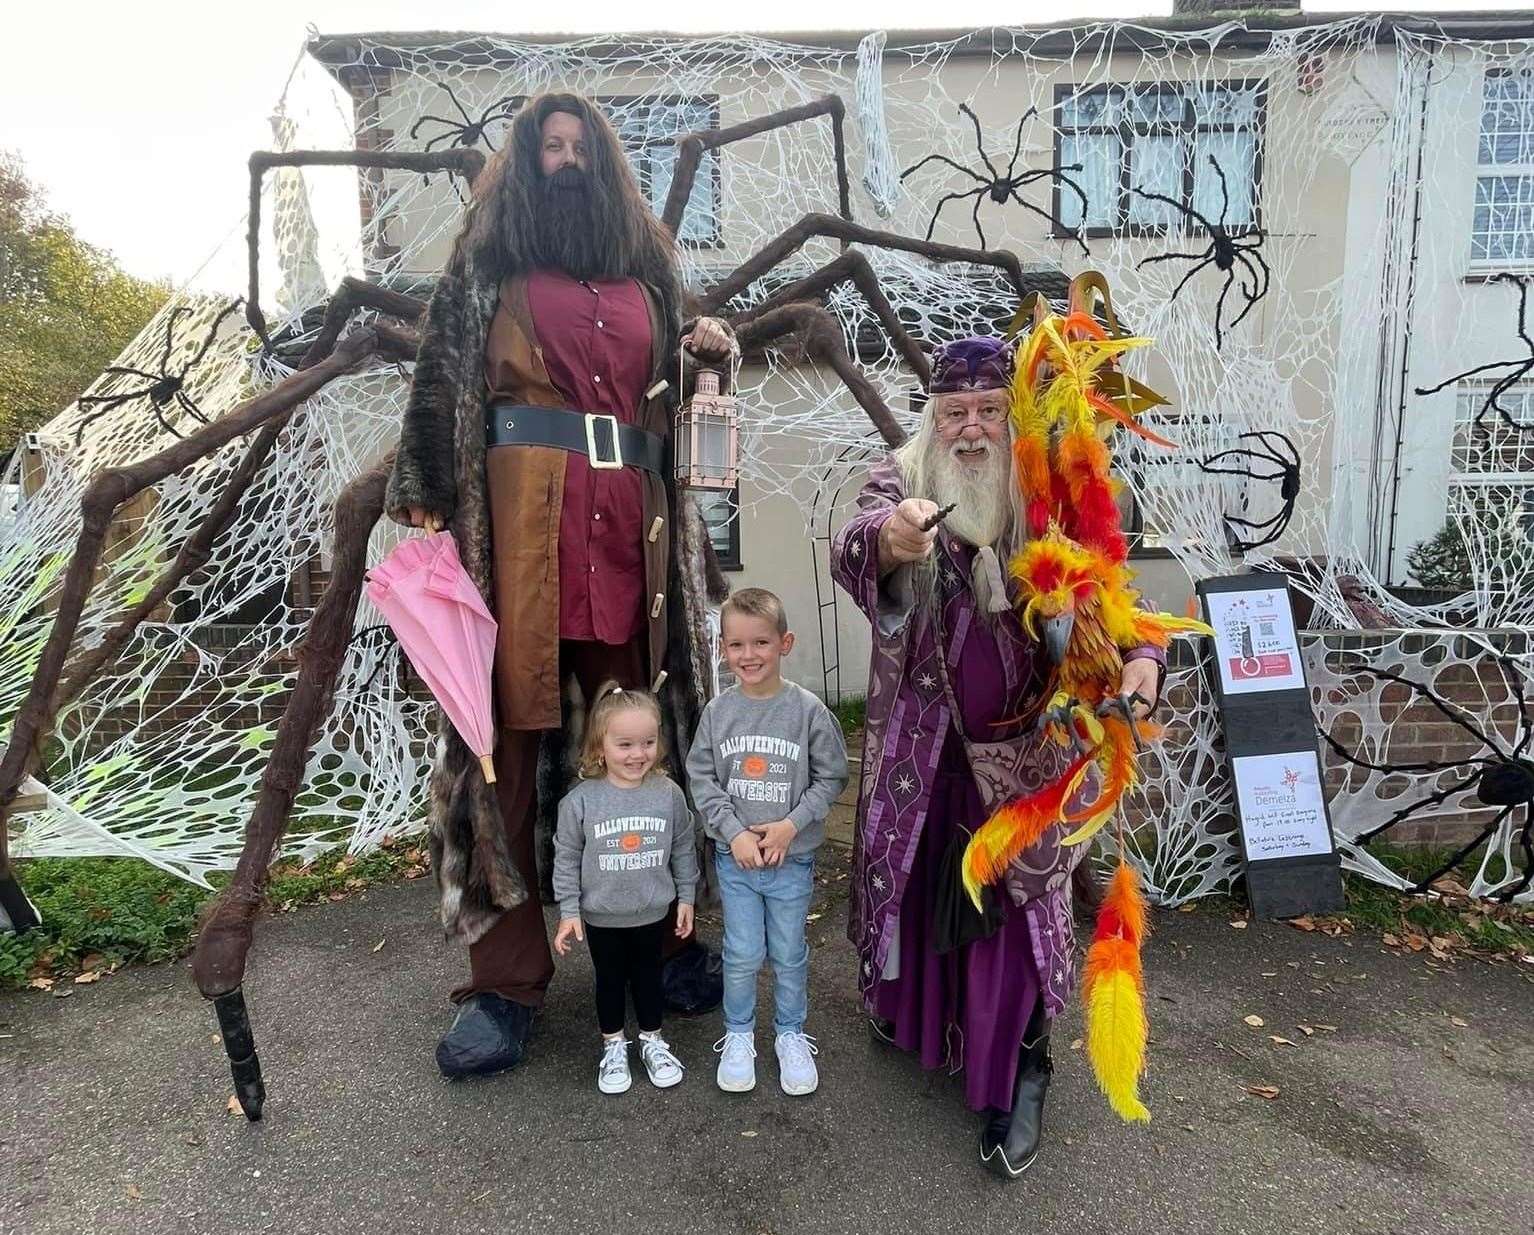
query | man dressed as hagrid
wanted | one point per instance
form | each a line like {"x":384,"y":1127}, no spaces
{"x":956,"y":681}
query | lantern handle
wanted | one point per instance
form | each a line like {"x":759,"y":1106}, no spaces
{"x":735,"y":362}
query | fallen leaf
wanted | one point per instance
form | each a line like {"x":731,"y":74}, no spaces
{"x":1187,"y":907}
{"x":191,"y":1139}
{"x":1263,"y":1091}
{"x":41,"y":984}
{"x":1389,"y":940}
{"x":378,"y":947}
{"x":1303,"y":923}
{"x":1255,"y":1021}
{"x":134,"y":1194}
{"x":1281,"y":1041}
{"x":64,"y":994}
{"x":812,"y":917}
{"x":1325,"y":1028}
{"x":1238,"y":925}
{"x":1416,"y":942}
{"x":1076,"y":1044}
{"x":233,"y":1107}
{"x":1459,"y":1022}
{"x":749,"y":1132}
{"x":83,"y":979}
{"x":1308,"y":1030}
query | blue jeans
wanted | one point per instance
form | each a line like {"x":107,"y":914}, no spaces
{"x":764,"y":912}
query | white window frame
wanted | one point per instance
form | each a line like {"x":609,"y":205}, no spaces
{"x":1481,"y":262}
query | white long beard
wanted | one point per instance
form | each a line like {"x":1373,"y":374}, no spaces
{"x":978,"y":494}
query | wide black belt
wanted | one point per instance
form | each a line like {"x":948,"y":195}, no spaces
{"x":605,"y":442}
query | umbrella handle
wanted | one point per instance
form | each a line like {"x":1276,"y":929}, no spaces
{"x":487,"y":766}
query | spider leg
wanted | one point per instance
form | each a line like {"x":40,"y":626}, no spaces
{"x":1192,"y":270}
{"x":1049,"y":218}
{"x":1436,"y":798}
{"x":1450,"y":712}
{"x":975,"y":214}
{"x":170,"y":336}
{"x":101,"y":406}
{"x":159,"y":415}
{"x":231,"y":307}
{"x":1219,"y":311}
{"x":447,"y":124}
{"x":980,"y":141}
{"x":450,"y":135}
{"x":1515,"y":680}
{"x":461,"y":111}
{"x":1526,"y":843}
{"x":1224,"y":189}
{"x":1427,"y":880}
{"x":950,"y":197}
{"x":1187,"y":211}
{"x":1501,"y":388}
{"x":190,"y":407}
{"x":1203,"y":258}
{"x":1458,"y":377}
{"x":1017,"y":145}
{"x":1251,"y":300}
{"x":943,"y":158}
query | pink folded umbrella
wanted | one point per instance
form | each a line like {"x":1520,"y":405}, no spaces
{"x":446,"y":629}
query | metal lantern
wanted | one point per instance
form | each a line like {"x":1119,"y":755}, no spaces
{"x":707,"y":439}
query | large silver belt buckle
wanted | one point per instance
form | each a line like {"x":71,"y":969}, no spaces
{"x":591,"y":442}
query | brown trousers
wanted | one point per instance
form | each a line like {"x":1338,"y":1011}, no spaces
{"x":512,"y":958}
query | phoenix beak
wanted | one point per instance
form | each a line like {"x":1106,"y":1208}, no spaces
{"x":1057,"y":636}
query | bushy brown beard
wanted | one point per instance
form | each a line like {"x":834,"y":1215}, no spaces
{"x":565,"y":235}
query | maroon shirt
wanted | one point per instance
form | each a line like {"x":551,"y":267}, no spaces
{"x":596,"y":344}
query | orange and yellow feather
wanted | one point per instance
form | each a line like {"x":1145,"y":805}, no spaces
{"x":1113,"y":997}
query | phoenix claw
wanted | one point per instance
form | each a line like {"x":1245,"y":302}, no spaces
{"x":1125,"y":706}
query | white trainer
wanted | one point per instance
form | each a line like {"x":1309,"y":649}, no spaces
{"x":613,"y":1072}
{"x":796,"y":1063}
{"x":737,"y":1063}
{"x":663,"y":1068}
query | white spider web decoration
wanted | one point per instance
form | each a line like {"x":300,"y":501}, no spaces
{"x":166,"y":749}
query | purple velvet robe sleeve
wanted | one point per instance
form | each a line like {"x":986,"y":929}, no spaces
{"x":885,"y":602}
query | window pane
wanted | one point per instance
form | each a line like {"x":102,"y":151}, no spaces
{"x":1098,"y":157}
{"x":647,"y":129}
{"x":1503,"y":221}
{"x":1155,"y":166}
{"x":1507,"y":119}
{"x":1220,"y":107}
{"x":1236,"y":154}
{"x":1090,"y":109}
{"x":1161,"y":106}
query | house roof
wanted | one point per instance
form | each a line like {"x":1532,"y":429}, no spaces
{"x":1246,"y":26}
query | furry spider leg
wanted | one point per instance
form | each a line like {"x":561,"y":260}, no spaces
{"x":1200,"y":259}
{"x":191,"y":408}
{"x":965,"y":109}
{"x":1219,"y":310}
{"x":1515,"y":682}
{"x":955,"y":197}
{"x":943,"y":158}
{"x":1250,"y":295}
{"x":1461,"y":854}
{"x":975,"y":214}
{"x":207,"y":342}
{"x":1526,"y":843}
{"x":1044,"y":173}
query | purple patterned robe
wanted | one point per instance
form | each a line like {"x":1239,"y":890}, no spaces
{"x":908,"y":723}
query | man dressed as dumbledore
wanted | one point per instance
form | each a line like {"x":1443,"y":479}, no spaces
{"x":953,"y":669}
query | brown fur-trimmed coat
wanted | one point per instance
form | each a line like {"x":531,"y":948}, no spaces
{"x":440,"y":468}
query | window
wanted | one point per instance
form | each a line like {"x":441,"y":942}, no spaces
{"x":648,"y":129}
{"x":1491,"y":481}
{"x":721,"y":514}
{"x":1502,"y":227}
{"x":1159,"y":138}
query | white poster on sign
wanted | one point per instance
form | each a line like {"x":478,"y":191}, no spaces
{"x":1254,"y":641}
{"x":1282,"y":812}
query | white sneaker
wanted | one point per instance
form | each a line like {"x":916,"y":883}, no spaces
{"x":796,"y":1063}
{"x":737,"y":1063}
{"x":613,"y":1072}
{"x":663,"y":1068}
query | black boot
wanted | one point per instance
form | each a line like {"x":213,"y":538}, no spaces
{"x":1009,"y":1142}
{"x":489,"y":1034}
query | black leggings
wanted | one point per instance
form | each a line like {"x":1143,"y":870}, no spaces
{"x":627,"y":958}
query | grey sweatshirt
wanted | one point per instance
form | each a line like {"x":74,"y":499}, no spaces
{"x":622,"y":855}
{"x":761,"y":760}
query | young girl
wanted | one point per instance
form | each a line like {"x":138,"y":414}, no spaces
{"x":623,"y":851}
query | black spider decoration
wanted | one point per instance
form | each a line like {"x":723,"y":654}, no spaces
{"x":1502,"y":777}
{"x":468,"y":131}
{"x":1229,"y":248}
{"x":165,"y":387}
{"x":1270,"y":447}
{"x":1517,"y":369}
{"x":1002,"y":187}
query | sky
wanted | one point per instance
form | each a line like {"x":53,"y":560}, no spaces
{"x":137,"y":119}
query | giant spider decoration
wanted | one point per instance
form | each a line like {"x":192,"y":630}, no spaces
{"x":793,"y":315}
{"x":468,"y":131}
{"x":1270,"y":447}
{"x":1229,"y":248}
{"x":165,"y":387}
{"x":1002,"y":187}
{"x":1501,"y":778}
{"x":1517,"y":370}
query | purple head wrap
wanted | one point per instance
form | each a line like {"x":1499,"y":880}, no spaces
{"x":971,"y":364}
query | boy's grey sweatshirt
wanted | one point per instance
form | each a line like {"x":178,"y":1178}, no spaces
{"x":622,"y":855}
{"x":761,"y":760}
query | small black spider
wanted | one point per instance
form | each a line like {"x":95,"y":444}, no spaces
{"x":164,"y":386}
{"x":468,"y":131}
{"x":1502,"y":777}
{"x":1517,"y":369}
{"x":1002,"y":187}
{"x":1271,"y":447}
{"x":1228,"y":248}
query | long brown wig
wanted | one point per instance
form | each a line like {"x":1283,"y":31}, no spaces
{"x":500,"y":228}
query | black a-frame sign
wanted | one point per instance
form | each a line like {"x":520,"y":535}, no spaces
{"x":1292,"y":867}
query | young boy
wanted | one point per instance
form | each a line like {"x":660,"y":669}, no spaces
{"x":766,"y":765}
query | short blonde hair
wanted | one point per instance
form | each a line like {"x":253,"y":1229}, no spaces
{"x":612,"y":699}
{"x":755,"y":602}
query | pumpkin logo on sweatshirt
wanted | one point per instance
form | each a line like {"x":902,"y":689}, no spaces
{"x":753,"y":767}
{"x":631,"y":842}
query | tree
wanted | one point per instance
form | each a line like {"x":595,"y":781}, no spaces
{"x":66,"y":308}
